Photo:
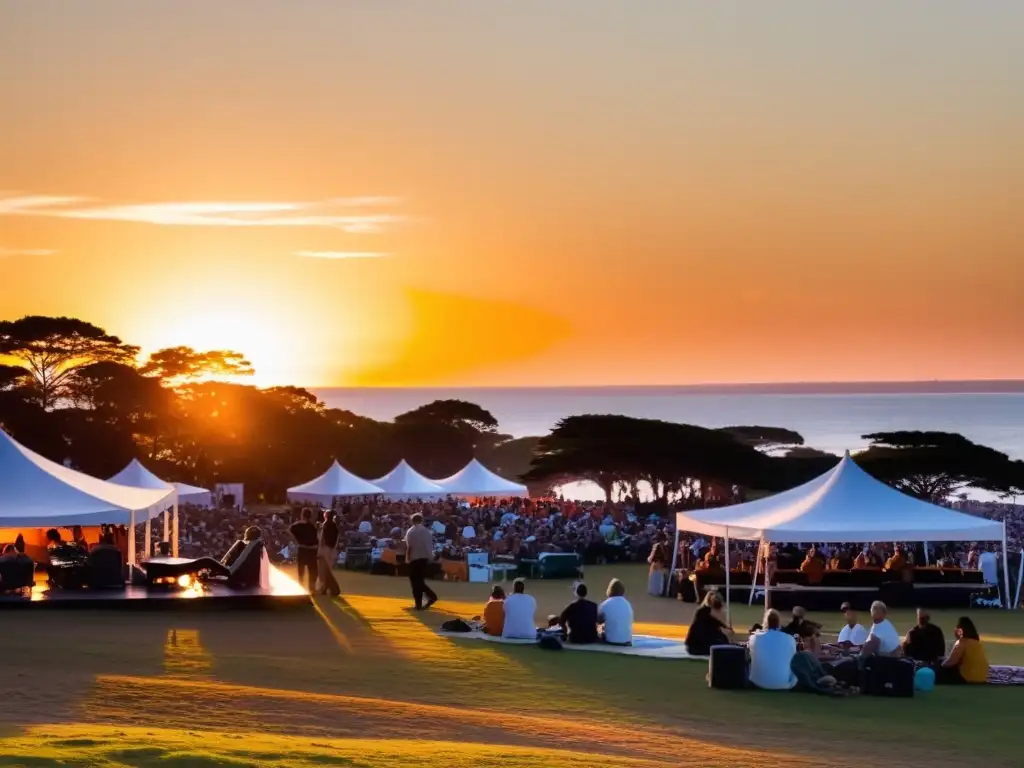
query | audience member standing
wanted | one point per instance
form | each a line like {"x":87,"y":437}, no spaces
{"x":419,"y":542}
{"x":304,"y":533}
{"x":327,"y":556}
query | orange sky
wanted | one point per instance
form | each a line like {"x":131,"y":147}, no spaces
{"x":551,"y":193}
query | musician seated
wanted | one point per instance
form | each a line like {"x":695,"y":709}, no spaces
{"x":897,"y":563}
{"x":17,"y":571}
{"x":68,"y":566}
{"x":813,"y":567}
{"x":106,"y":564}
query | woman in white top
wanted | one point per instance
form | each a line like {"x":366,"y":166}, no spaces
{"x":616,"y":614}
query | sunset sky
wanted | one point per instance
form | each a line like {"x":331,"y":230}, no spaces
{"x":539,"y":192}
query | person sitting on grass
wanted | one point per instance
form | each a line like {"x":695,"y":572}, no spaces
{"x":925,"y":641}
{"x":708,"y":627}
{"x":967,"y":662}
{"x":519,"y":613}
{"x":852,"y":634}
{"x":771,"y":655}
{"x":883,"y":639}
{"x":616,"y":616}
{"x":579,"y":619}
{"x":494,"y":612}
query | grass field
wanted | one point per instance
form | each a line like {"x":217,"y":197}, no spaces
{"x":365,"y":681}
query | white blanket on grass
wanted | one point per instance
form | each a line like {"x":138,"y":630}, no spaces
{"x":647,"y":646}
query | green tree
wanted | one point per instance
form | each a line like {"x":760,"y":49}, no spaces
{"x":767,"y":439}
{"x":466,"y":417}
{"x":54,"y":349}
{"x":176,"y":365}
{"x":933,"y":465}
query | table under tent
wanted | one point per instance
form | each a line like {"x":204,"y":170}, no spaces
{"x":845,"y":505}
{"x":37,"y":494}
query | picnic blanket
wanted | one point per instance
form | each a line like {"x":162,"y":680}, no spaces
{"x":647,"y":646}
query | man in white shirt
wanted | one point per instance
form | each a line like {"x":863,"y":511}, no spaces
{"x":519,"y":613}
{"x":616,"y":614}
{"x":771,"y":656}
{"x":852,"y":633}
{"x":989,"y":565}
{"x":883,"y":639}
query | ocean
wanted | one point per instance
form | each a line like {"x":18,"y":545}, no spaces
{"x":830,"y":421}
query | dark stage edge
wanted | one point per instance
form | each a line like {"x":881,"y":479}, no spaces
{"x":214,"y":597}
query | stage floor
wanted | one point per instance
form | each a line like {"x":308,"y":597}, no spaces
{"x":284,"y":593}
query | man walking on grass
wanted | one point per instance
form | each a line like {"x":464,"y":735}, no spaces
{"x":419,"y":542}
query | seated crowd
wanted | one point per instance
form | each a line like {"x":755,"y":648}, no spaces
{"x":581,"y":622}
{"x":783,"y":657}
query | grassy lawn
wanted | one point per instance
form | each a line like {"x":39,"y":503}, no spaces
{"x":366,"y":681}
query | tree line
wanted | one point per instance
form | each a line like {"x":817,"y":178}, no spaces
{"x":77,"y":394}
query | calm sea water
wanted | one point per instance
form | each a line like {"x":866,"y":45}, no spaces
{"x":831,"y":422}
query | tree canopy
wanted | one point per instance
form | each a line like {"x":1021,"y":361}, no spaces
{"x":182,"y":364}
{"x":766,"y":438}
{"x":54,"y":349}
{"x":934,"y":465}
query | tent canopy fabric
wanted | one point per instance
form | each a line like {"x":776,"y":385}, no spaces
{"x":137,"y":475}
{"x":38,"y":493}
{"x":405,"y":482}
{"x":845,"y":505}
{"x":336,"y":481}
{"x":477,"y":480}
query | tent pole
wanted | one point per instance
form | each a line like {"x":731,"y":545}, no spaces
{"x":675,"y":554}
{"x":757,"y":570}
{"x":167,"y":524}
{"x":728,"y":603}
{"x":927,"y":560}
{"x":147,"y":548}
{"x":174,"y":531}
{"x":1020,"y":578}
{"x":131,"y":538}
{"x":1006,"y":570}
{"x":767,"y":577}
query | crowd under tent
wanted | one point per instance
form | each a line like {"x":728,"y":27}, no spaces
{"x":36,"y":493}
{"x":476,"y":480}
{"x":845,"y":505}
{"x":137,"y":475}
{"x":334,"y":483}
{"x":404,"y":482}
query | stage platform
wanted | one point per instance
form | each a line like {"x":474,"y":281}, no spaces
{"x":284,"y":594}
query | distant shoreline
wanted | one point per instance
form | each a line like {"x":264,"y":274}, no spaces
{"x":980,"y":387}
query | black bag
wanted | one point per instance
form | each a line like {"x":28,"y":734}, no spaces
{"x":888,"y":676}
{"x":550,"y":643}
{"x":456,"y":625}
{"x":727,"y":667}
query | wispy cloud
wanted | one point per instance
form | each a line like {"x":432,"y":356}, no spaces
{"x":342,"y":254}
{"x":347,"y":214}
{"x":4,"y":252}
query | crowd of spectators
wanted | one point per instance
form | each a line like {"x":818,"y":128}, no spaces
{"x":516,"y":527}
{"x":1013,"y":514}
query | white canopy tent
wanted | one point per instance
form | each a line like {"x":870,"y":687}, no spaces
{"x":336,"y":481}
{"x":477,"y":480}
{"x":38,"y":493}
{"x":404,"y":482}
{"x":137,"y":475}
{"x":845,"y":505}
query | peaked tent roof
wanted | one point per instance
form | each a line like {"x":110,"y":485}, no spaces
{"x":336,"y":481}
{"x":138,"y":476}
{"x":477,"y":480}
{"x":404,"y":481}
{"x":846,"y":504}
{"x":38,"y":493}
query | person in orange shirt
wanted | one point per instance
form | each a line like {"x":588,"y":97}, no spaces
{"x":862,"y":560}
{"x":494,"y":612}
{"x":896,"y":563}
{"x":813,"y":567}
